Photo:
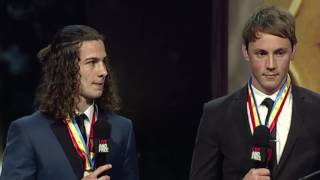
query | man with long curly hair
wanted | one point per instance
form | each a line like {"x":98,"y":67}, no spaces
{"x":75,"y":104}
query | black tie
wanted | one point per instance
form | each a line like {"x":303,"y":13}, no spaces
{"x":269,"y":104}
{"x":80,"y":120}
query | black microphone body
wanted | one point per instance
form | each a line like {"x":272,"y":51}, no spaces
{"x":101,"y":143}
{"x":260,"y":150}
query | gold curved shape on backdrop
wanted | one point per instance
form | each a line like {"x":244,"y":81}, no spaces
{"x":306,"y":64}
{"x":293,"y":9}
{"x":294,"y":6}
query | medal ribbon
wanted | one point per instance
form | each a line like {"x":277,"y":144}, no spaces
{"x":85,"y":151}
{"x":276,"y":109}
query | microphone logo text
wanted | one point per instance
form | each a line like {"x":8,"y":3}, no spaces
{"x":103,"y":146}
{"x":256,"y":154}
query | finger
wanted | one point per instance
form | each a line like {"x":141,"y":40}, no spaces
{"x":104,"y":178}
{"x":261,"y":172}
{"x":101,"y":169}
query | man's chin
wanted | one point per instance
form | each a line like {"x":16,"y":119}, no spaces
{"x":96,"y":95}
{"x":272,"y":88}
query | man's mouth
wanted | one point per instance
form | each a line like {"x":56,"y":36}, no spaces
{"x":271,"y":76}
{"x":100,"y":84}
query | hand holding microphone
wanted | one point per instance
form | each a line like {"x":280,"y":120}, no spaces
{"x":96,"y":174}
{"x":261,"y":173}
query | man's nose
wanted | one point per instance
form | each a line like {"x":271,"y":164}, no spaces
{"x":102,"y":70}
{"x":271,"y":64}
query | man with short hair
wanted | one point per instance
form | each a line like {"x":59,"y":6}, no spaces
{"x":75,"y":96}
{"x":271,"y":101}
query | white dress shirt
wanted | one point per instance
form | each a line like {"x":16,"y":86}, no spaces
{"x":284,"y":120}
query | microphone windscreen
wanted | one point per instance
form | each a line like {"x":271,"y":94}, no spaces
{"x":261,"y":136}
{"x":101,"y":129}
{"x":101,"y":142}
{"x":260,"y":151}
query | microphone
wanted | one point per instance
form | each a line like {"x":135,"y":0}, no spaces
{"x":260,"y":150}
{"x":101,"y":142}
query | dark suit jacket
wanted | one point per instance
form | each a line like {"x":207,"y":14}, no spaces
{"x":39,"y":148}
{"x":221,"y":149}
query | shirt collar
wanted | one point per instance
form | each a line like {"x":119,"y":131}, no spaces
{"x":88,"y":112}
{"x":260,"y":96}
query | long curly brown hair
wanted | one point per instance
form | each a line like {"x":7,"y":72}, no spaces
{"x":58,"y":91}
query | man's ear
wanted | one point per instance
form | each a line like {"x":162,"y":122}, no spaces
{"x":293,"y":52}
{"x":245,"y":52}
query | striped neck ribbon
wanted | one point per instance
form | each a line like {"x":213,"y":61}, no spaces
{"x":276,"y":109}
{"x":85,"y":151}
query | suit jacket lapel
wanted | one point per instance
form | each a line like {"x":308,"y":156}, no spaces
{"x":61,"y":132}
{"x":240,"y":113}
{"x":298,"y":110}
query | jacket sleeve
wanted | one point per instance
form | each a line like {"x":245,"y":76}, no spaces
{"x":19,"y":158}
{"x":206,"y":162}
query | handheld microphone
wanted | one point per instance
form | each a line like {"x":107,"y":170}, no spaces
{"x":260,"y":150}
{"x":101,"y":142}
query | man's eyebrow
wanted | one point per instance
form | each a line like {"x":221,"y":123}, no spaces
{"x":94,"y":58}
{"x":259,"y":50}
{"x":280,"y":49}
